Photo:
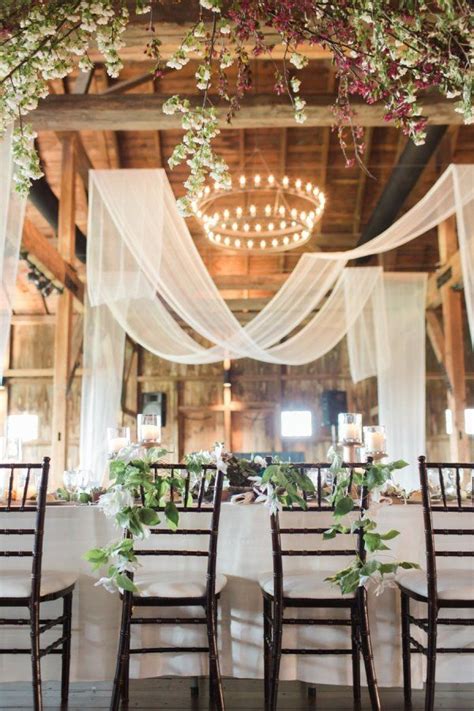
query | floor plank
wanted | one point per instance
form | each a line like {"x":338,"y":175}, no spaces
{"x":173,"y":694}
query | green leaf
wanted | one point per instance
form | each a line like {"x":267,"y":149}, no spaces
{"x":388,"y":568}
{"x":147,"y":516}
{"x":95,"y":555}
{"x":408,"y":566}
{"x":330,"y":533}
{"x":398,"y":464}
{"x":373,"y":543}
{"x":124,"y":582}
{"x":343,"y":506}
{"x":389,"y":535}
{"x":172,"y":515}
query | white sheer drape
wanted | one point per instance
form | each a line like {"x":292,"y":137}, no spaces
{"x":12,"y":211}
{"x":143,"y":263}
{"x":144,"y":266}
{"x":402,"y":385}
{"x":104,"y":344}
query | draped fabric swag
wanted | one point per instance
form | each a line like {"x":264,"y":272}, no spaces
{"x":144,"y":267}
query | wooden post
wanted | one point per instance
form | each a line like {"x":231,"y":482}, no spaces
{"x":451,"y":301}
{"x":63,"y":334}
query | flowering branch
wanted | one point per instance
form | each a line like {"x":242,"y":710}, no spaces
{"x":382,"y":52}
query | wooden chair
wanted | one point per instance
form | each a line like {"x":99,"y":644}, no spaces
{"x":21,"y":588}
{"x":172,"y":589}
{"x":306,"y":590}
{"x":439,"y":590}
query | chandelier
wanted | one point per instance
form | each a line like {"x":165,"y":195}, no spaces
{"x":262,"y":214}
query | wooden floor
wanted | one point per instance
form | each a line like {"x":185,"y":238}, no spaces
{"x":241,"y":694}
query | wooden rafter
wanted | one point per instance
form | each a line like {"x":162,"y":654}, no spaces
{"x":34,"y":242}
{"x":145,"y":112}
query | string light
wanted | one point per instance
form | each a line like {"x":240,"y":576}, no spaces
{"x":261,"y":213}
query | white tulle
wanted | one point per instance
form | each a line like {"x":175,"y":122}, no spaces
{"x":12,"y":211}
{"x":144,"y":267}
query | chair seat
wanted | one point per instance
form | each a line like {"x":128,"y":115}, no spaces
{"x":455,"y":584}
{"x":175,"y":584}
{"x":17,"y":583}
{"x":305,"y":585}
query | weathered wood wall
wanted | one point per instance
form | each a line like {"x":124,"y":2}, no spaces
{"x":195,"y":418}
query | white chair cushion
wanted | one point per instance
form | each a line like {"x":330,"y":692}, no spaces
{"x":175,"y":584}
{"x":17,"y":583}
{"x":308,"y":585}
{"x":455,"y":584}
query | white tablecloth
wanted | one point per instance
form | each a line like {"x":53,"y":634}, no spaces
{"x":244,"y":554}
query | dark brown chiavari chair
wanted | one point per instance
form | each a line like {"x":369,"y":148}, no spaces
{"x":438,"y":589}
{"x":30,"y":588}
{"x":283,"y":592}
{"x":192,"y":590}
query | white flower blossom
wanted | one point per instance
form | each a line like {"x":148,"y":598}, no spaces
{"x":115,"y":500}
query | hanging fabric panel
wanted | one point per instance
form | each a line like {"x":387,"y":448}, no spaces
{"x":12,"y":211}
{"x":104,"y":344}
{"x":401,"y":385}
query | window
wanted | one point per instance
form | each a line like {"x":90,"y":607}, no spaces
{"x":296,"y":423}
{"x":24,"y":427}
{"x":468,"y":421}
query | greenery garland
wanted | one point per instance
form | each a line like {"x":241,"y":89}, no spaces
{"x":387,"y":52}
{"x":133,"y":478}
{"x":277,"y":485}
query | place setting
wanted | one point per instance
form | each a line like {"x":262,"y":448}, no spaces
{"x":236,"y":363}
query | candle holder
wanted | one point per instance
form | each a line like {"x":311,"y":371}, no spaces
{"x":350,"y":435}
{"x":149,"y":430}
{"x":117,"y":439}
{"x":375,"y":442}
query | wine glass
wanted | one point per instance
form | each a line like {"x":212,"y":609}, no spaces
{"x":70,"y":480}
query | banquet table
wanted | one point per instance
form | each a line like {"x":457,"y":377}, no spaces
{"x":244,"y":555}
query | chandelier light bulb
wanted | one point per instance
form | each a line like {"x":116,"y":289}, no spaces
{"x":257,"y":179}
{"x":246,"y":227}
{"x":258,"y":227}
{"x":268,"y":210}
{"x":234,"y":226}
{"x":282,"y":225}
{"x":226,"y":214}
{"x":218,"y":238}
{"x":285,"y":181}
{"x":238,"y":212}
{"x":296,"y":237}
{"x":253,"y":210}
{"x":250,"y":243}
{"x":281,"y":210}
{"x":237,"y":243}
{"x":298,"y":184}
{"x":286,"y":240}
{"x":274,"y":243}
{"x":308,"y":187}
{"x":227,"y":241}
{"x":263,"y":244}
{"x":242,"y":181}
{"x":271,"y":226}
{"x":271,"y":179}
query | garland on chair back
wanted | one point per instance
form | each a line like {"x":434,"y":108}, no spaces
{"x":132,"y":476}
{"x":387,"y":52}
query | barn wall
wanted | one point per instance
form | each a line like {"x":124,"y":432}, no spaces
{"x":195,"y":394}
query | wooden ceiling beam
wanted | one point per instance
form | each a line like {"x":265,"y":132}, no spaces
{"x":128,"y":112}
{"x":262,"y":282}
{"x":41,"y":249}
